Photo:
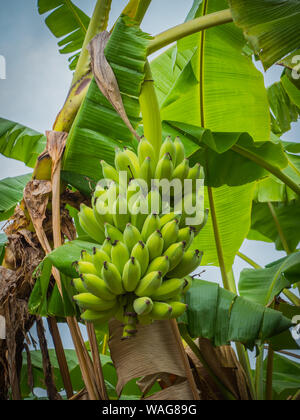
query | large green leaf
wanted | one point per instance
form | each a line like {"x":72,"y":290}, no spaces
{"x":232,"y":207}
{"x":98,"y":129}
{"x":288,"y":215}
{"x":63,"y":259}
{"x":221,"y":316}
{"x":286,"y":374}
{"x":219,"y":89}
{"x":263,"y":285}
{"x":221,"y":154}
{"x":285,"y":340}
{"x":271,"y":26}
{"x":20,"y":143}
{"x":11,"y":193}
{"x":68,"y":22}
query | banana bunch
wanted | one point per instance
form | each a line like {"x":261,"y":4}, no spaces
{"x":141,"y":270}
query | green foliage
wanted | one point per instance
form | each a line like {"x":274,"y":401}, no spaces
{"x":263,"y":285}
{"x":68,"y":22}
{"x":98,"y":129}
{"x":286,"y":375}
{"x":221,"y":316}
{"x":20,"y":143}
{"x":263,"y":224}
{"x":11,"y":193}
{"x":271,"y":27}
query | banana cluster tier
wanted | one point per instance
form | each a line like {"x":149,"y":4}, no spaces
{"x":141,"y":269}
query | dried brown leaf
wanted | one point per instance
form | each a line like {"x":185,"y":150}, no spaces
{"x":152,"y":351}
{"x":225,"y":366}
{"x":56,"y":143}
{"x":105,"y":77}
{"x":177,"y":392}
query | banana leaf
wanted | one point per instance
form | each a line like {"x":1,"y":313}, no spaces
{"x":285,"y":340}
{"x":66,"y":21}
{"x":3,"y":241}
{"x":98,"y":130}
{"x":20,"y":143}
{"x":11,"y":193}
{"x":288,"y":215}
{"x":218,"y":89}
{"x":220,"y":154}
{"x":286,"y":374}
{"x":63,"y":259}
{"x":271,"y":27}
{"x":221,"y":316}
{"x":263,"y":285}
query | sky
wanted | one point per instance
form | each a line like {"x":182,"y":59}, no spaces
{"x":38,"y":79}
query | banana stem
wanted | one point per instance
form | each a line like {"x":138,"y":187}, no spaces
{"x":151,"y":111}
{"x":97,"y":24}
{"x":142,"y":10}
{"x":189,"y":28}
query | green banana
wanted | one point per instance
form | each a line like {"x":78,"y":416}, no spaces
{"x":161,"y":264}
{"x":149,"y":284}
{"x":146,"y":150}
{"x":155,"y":245}
{"x":189,"y":263}
{"x":134,"y":161}
{"x":119,"y":255}
{"x":170,"y":233}
{"x":180,"y":153}
{"x":181,"y":171}
{"x":141,"y":253}
{"x":198,"y":228}
{"x":131,"y":275}
{"x":89,"y":223}
{"x":186,"y":235}
{"x":79,"y":285}
{"x":112,"y":278}
{"x":107,"y":246}
{"x":87,"y":268}
{"x":194,"y":173}
{"x":152,"y":224}
{"x":95,"y":285}
{"x":92,"y":302}
{"x":109,"y":172}
{"x":169,"y":218}
{"x":99,"y":258}
{"x":175,"y":253}
{"x":154,"y":201}
{"x":131,"y":236}
{"x":143,"y":306}
{"x":168,"y":147}
{"x":188,"y":284}
{"x":121,"y":215}
{"x":161,"y":311}
{"x":146,"y":171}
{"x":102,"y":212}
{"x":178,"y":309}
{"x":164,"y":169}
{"x":113,"y":233}
{"x":98,"y":317}
{"x":124,"y":163}
{"x":169,"y":289}
{"x":86,"y":257}
{"x":139,"y":213}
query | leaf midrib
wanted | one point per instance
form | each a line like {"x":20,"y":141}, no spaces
{"x":70,"y":5}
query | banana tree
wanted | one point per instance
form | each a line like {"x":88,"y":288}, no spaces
{"x":197,"y":112}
